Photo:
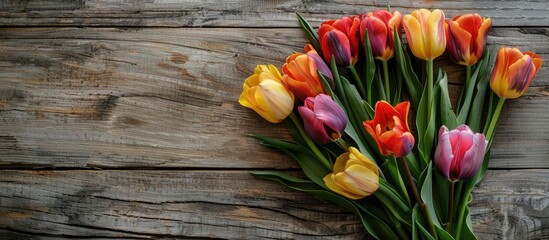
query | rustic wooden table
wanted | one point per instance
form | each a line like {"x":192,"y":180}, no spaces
{"x":119,"y":119}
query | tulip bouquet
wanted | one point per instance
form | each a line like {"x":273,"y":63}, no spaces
{"x":355,"y":86}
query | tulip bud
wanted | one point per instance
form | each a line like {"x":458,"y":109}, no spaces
{"x":466,"y":38}
{"x":340,"y":39}
{"x":390,"y":130}
{"x":380,"y":26}
{"x":459,"y":152}
{"x":301,"y":73}
{"x":513,"y":72}
{"x":323,"y":119}
{"x":425,"y":33}
{"x":265,"y":93}
{"x":355,"y":176}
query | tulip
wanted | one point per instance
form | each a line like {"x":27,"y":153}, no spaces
{"x":301,"y":76}
{"x":513,"y":72}
{"x":390,"y":130}
{"x":425,"y":33}
{"x":466,"y":38}
{"x":340,"y":38}
{"x":354,"y":176}
{"x":323,"y":119}
{"x":380,"y":26}
{"x":459,"y":153}
{"x":265,"y":93}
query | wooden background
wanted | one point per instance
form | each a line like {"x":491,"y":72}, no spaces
{"x":119,"y":119}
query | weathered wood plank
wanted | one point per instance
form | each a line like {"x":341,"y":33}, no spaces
{"x":100,"y":97}
{"x":230,"y":204}
{"x":243,"y":13}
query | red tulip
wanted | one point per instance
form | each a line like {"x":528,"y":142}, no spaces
{"x":340,"y":38}
{"x":380,"y":26}
{"x":513,"y":72}
{"x":459,"y":152}
{"x":390,"y":129}
{"x":466,"y":38}
{"x":301,"y":73}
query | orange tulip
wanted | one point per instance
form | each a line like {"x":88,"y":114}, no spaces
{"x":340,"y":38}
{"x":425,"y":33}
{"x":380,"y":26}
{"x":513,"y":72}
{"x":390,"y":129}
{"x":265,"y":93}
{"x":301,"y":73}
{"x":466,"y":38}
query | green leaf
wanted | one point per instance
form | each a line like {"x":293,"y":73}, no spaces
{"x":325,"y":84}
{"x":306,"y":159}
{"x":413,"y":164}
{"x":394,"y":177}
{"x":310,"y":33}
{"x":417,"y":225}
{"x":427,"y":195}
{"x":375,"y":226}
{"x":425,"y":128}
{"x":447,"y":115}
{"x":370,"y":67}
{"x":392,"y":199}
{"x":356,"y":114}
{"x":443,"y":235}
{"x":467,"y":228}
{"x":474,"y":120}
{"x":410,"y":78}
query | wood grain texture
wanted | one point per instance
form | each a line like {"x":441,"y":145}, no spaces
{"x":99,"y":97}
{"x":242,"y":13}
{"x":230,"y":205}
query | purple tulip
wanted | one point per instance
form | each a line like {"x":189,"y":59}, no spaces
{"x":323,"y":119}
{"x":459,"y":152}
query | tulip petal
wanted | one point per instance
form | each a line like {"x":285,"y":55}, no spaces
{"x":459,"y":43}
{"x":313,"y":126}
{"x":336,"y":43}
{"x":415,"y":36}
{"x":363,"y":160}
{"x":474,"y":156}
{"x":331,"y":114}
{"x":443,"y":152}
{"x":435,"y":43}
{"x":331,"y":184}
{"x":536,"y":59}
{"x":274,"y":99}
{"x":481,"y":37}
{"x":520,"y":74}
{"x":359,"y":180}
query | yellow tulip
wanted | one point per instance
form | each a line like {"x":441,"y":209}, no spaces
{"x":265,"y":93}
{"x":355,"y":176}
{"x":425,"y":33}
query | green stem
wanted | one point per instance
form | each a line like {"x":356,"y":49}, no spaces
{"x":342,"y":144}
{"x":429,"y":87}
{"x":420,"y":202}
{"x":493,"y":122}
{"x":310,"y":143}
{"x":462,"y":97}
{"x":460,"y":217}
{"x":386,"y":81}
{"x":451,"y":206}
{"x":358,"y":81}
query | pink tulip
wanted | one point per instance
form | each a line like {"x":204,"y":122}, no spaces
{"x":323,"y":119}
{"x":459,"y":152}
